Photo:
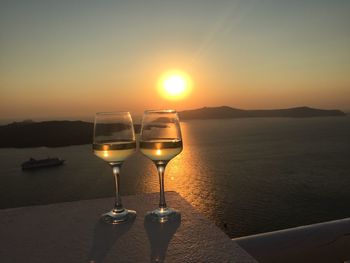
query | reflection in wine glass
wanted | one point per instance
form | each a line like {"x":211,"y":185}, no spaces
{"x":160,"y":141}
{"x":114,"y":141}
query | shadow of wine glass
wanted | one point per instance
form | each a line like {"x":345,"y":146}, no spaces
{"x":159,"y":235}
{"x":105,"y":235}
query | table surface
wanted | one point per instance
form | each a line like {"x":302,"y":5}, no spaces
{"x":72,"y":232}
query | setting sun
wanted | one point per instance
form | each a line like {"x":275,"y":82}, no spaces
{"x":174,"y":85}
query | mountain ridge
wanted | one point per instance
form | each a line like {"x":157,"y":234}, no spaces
{"x":226,"y":112}
{"x":66,"y":133}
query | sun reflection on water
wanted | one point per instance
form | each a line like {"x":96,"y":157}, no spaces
{"x":183,"y":174}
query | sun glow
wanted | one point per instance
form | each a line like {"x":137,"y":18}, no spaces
{"x":174,"y":85}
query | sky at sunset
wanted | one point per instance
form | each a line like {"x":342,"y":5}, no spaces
{"x":74,"y":58}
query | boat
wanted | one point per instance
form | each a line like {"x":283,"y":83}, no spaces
{"x":32,"y":163}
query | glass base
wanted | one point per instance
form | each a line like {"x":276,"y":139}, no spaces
{"x":163,"y":215}
{"x":116,"y":218}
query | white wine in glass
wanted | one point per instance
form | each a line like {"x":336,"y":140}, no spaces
{"x":161,"y":150}
{"x":161,"y":141}
{"x":115,"y":151}
{"x":114,"y":141}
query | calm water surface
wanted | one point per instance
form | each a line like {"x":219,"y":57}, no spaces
{"x":246,"y":175}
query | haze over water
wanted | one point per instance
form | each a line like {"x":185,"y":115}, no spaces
{"x":247,"y":175}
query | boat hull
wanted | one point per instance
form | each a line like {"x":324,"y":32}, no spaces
{"x":37,"y":164}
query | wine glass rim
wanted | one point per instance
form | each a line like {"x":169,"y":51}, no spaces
{"x":161,"y":111}
{"x":112,"y":112}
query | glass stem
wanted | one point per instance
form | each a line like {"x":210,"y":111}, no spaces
{"x":118,"y":206}
{"x":161,"y":168}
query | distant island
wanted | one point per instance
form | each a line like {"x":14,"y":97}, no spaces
{"x":226,"y":112}
{"x":65,"y":133}
{"x":47,"y":133}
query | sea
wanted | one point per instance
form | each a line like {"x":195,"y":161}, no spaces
{"x":247,"y":176}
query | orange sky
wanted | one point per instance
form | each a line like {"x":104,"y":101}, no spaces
{"x":64,"y":59}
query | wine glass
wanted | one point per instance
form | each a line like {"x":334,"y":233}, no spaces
{"x":114,"y":141}
{"x":160,"y":141}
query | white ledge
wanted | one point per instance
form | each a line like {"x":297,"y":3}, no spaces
{"x":323,"y":242}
